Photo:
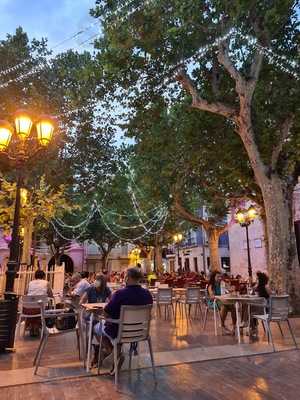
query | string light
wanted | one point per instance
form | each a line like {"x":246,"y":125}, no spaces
{"x":16,"y":67}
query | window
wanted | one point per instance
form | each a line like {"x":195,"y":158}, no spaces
{"x":187,"y":264}
{"x":196,"y":264}
{"x":225,"y":262}
{"x":257,"y":243}
{"x":172,"y":266}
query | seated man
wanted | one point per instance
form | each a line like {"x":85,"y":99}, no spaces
{"x":133,"y":295}
{"x":80,"y":283}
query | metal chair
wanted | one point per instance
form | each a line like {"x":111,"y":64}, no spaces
{"x":192,"y":297}
{"x":48,"y":332}
{"x":30,"y":302}
{"x":278,"y":312}
{"x":164,"y":298}
{"x":134,"y":327}
{"x":211,"y":305}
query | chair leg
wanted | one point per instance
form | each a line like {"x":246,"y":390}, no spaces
{"x":185,"y":311}
{"x":24,"y":327}
{"x":173,"y":311}
{"x":159,"y":310}
{"x":196,"y":310}
{"x":200,"y":310}
{"x":279,"y":326}
{"x":39,"y":356}
{"x":18,"y":330}
{"x":152,"y":358}
{"x":264,"y":326}
{"x":99,"y":355}
{"x":116,"y":363}
{"x":268,"y":327}
{"x":292,"y":333}
{"x":78,"y":344}
{"x":215,"y":320}
{"x":37,"y":352}
{"x":205,"y":318}
{"x":130,"y":358}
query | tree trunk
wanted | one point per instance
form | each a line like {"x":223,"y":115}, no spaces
{"x":158,"y":258}
{"x":28,"y":230}
{"x":104,"y":261}
{"x":147,"y":262}
{"x":283,"y":264}
{"x":213,"y":244}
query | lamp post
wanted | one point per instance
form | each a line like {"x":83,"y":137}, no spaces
{"x":177,"y":239}
{"x":19,"y":144}
{"x":245,"y":217}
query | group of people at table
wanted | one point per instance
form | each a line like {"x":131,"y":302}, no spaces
{"x":133,"y":293}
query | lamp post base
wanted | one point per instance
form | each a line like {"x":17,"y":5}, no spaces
{"x":8,"y":321}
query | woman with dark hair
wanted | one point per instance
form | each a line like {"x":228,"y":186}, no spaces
{"x":214,"y":289}
{"x":262,"y":285}
{"x":37,"y":287}
{"x":99,"y":292}
{"x":262,"y":290}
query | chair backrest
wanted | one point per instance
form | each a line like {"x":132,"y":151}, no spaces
{"x":279,"y":307}
{"x":164,"y":295}
{"x":32,"y":302}
{"x":134,"y":323}
{"x":192,"y":294}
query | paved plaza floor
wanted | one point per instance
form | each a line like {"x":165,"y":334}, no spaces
{"x":181,"y":346}
{"x":265,"y":377}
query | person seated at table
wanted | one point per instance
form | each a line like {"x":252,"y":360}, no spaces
{"x":37,"y":287}
{"x":214,"y":289}
{"x":98,"y":292}
{"x":133,"y":294}
{"x":80,"y":283}
{"x":262,"y":290}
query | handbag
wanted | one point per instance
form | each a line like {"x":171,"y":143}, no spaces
{"x":63,"y":323}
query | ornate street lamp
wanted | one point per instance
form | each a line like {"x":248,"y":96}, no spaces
{"x":245,"y":217}
{"x":19,"y":145}
{"x":177,"y":240}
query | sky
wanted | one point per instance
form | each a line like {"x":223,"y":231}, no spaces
{"x":53,"y":19}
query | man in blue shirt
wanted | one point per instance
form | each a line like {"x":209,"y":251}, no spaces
{"x":133,"y":295}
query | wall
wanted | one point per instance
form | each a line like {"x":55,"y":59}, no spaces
{"x":195,"y":252}
{"x":238,"y":248}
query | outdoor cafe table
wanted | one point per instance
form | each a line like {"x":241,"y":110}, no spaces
{"x":237,"y":300}
{"x":92,"y":309}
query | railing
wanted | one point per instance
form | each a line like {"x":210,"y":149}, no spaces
{"x":55,"y":277}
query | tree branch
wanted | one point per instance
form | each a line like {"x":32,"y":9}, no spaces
{"x":284,"y":132}
{"x":202,"y":104}
{"x":188,"y":215}
{"x":244,"y":87}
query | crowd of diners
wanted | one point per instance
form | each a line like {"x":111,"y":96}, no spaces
{"x":133,"y":290}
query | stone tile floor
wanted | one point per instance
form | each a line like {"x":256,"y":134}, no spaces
{"x":175,"y":342}
{"x":272,"y":376}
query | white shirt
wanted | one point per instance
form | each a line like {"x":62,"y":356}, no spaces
{"x":81,"y":287}
{"x":38,"y":287}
